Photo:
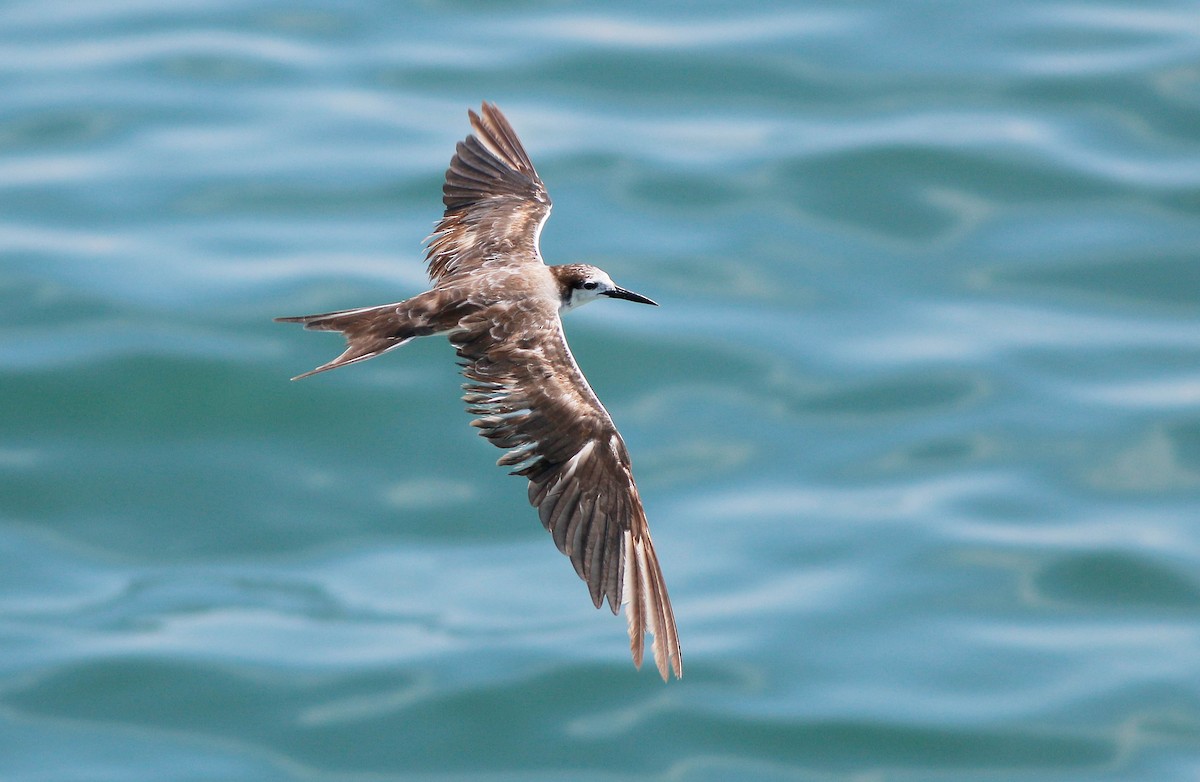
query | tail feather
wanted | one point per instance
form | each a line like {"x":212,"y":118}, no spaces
{"x":369,"y":332}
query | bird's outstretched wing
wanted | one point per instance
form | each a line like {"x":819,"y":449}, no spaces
{"x":495,"y":202}
{"x":533,"y":400}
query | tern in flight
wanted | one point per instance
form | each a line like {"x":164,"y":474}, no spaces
{"x":500,"y":305}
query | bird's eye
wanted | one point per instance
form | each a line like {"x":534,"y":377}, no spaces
{"x":589,"y":286}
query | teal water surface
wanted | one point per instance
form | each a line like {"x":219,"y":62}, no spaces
{"x":917,"y":424}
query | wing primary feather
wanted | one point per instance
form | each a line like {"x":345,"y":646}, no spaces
{"x":568,"y":515}
{"x":594,"y":554}
{"x":494,"y":125}
{"x":580,"y":520}
{"x":649,"y":595}
{"x":565,"y":504}
{"x":660,"y":618}
{"x":578,"y":541}
{"x":547,"y":503}
{"x":635,"y":604}
{"x":614,"y":564}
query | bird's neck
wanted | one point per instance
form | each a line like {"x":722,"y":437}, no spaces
{"x":564,"y":285}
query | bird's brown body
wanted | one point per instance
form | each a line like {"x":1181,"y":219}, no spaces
{"x":500,"y":305}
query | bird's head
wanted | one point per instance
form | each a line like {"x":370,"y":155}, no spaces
{"x":579,"y":283}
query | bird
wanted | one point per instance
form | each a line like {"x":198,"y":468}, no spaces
{"x":500,"y":305}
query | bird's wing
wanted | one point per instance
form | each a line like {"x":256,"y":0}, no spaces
{"x":533,"y":400}
{"x":495,"y":202}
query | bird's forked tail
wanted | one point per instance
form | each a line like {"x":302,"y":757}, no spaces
{"x":369,"y":332}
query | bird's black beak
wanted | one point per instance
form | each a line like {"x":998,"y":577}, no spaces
{"x":621,"y":293}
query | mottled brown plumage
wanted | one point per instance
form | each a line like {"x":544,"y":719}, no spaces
{"x":500,"y":306}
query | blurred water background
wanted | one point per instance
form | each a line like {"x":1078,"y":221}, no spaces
{"x":917,"y":423}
